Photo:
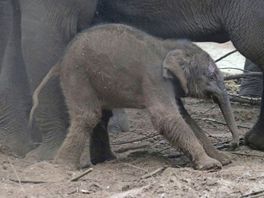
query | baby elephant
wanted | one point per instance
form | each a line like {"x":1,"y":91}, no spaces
{"x":116,"y":66}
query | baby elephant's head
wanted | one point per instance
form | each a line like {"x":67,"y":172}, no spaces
{"x":199,"y":77}
{"x":194,"y":70}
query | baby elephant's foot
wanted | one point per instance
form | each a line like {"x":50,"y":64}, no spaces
{"x":99,"y":158}
{"x":221,"y":157}
{"x":207,"y":163}
{"x":234,"y":143}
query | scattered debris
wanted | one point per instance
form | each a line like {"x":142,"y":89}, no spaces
{"x":27,"y":181}
{"x":248,"y":154}
{"x":81,"y":175}
{"x":226,"y":55}
{"x":219,"y":122}
{"x":254,"y":194}
{"x":130,"y":148}
{"x":244,"y":75}
{"x":136,"y":140}
{"x":244,"y":99}
{"x":154,"y":173}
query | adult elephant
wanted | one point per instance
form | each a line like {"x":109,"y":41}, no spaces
{"x":14,"y":97}
{"x":242,"y":22}
{"x":47,"y":27}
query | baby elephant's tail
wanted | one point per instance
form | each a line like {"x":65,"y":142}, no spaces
{"x":54,"y":71}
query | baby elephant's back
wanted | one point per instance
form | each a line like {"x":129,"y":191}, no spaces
{"x":114,"y":58}
{"x":121,"y":43}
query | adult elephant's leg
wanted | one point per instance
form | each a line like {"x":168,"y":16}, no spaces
{"x":5,"y":26}
{"x":51,"y":116}
{"x":255,"y":137}
{"x":47,"y":28}
{"x":43,"y":43}
{"x":208,"y":147}
{"x":14,"y":90}
{"x":100,"y":149}
{"x":251,"y":86}
{"x":249,"y":40}
{"x":51,"y":119}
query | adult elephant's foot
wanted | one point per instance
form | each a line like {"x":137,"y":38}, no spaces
{"x":255,"y":137}
{"x":207,"y":163}
{"x":52,"y":140}
{"x":44,"y":152}
{"x":15,"y":144}
{"x":14,"y":135}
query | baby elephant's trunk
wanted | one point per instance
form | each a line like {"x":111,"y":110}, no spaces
{"x":225,"y":106}
{"x":54,"y":71}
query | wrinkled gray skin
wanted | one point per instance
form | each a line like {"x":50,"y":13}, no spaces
{"x":14,"y":98}
{"x":5,"y":26}
{"x":141,"y":72}
{"x":47,"y":27}
{"x":251,"y":86}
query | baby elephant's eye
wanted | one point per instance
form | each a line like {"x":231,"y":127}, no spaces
{"x":212,"y":77}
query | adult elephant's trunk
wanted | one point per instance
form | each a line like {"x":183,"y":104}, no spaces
{"x":224,"y":103}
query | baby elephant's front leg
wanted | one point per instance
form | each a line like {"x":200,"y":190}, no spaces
{"x":173,"y":127}
{"x":166,"y":118}
{"x":199,"y":133}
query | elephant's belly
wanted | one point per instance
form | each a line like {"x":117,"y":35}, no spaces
{"x":121,"y":92}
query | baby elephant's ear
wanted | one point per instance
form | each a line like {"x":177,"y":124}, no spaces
{"x":171,"y":67}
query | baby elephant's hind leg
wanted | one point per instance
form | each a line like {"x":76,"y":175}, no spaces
{"x":85,"y":113}
{"x":100,"y":149}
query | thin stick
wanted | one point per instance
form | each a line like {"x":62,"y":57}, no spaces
{"x":209,"y":109}
{"x":26,"y":181}
{"x":81,"y":175}
{"x":218,"y":122}
{"x":158,"y":171}
{"x":252,"y":194}
{"x":136,"y":167}
{"x":226,"y":55}
{"x":234,"y":68}
{"x":18,"y":178}
{"x":244,"y":75}
{"x":135,"y":140}
{"x":135,"y":147}
{"x":244,"y":99}
{"x":248,"y":154}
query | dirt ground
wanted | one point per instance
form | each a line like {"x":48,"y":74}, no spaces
{"x":146,"y":165}
{"x":133,"y":173}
